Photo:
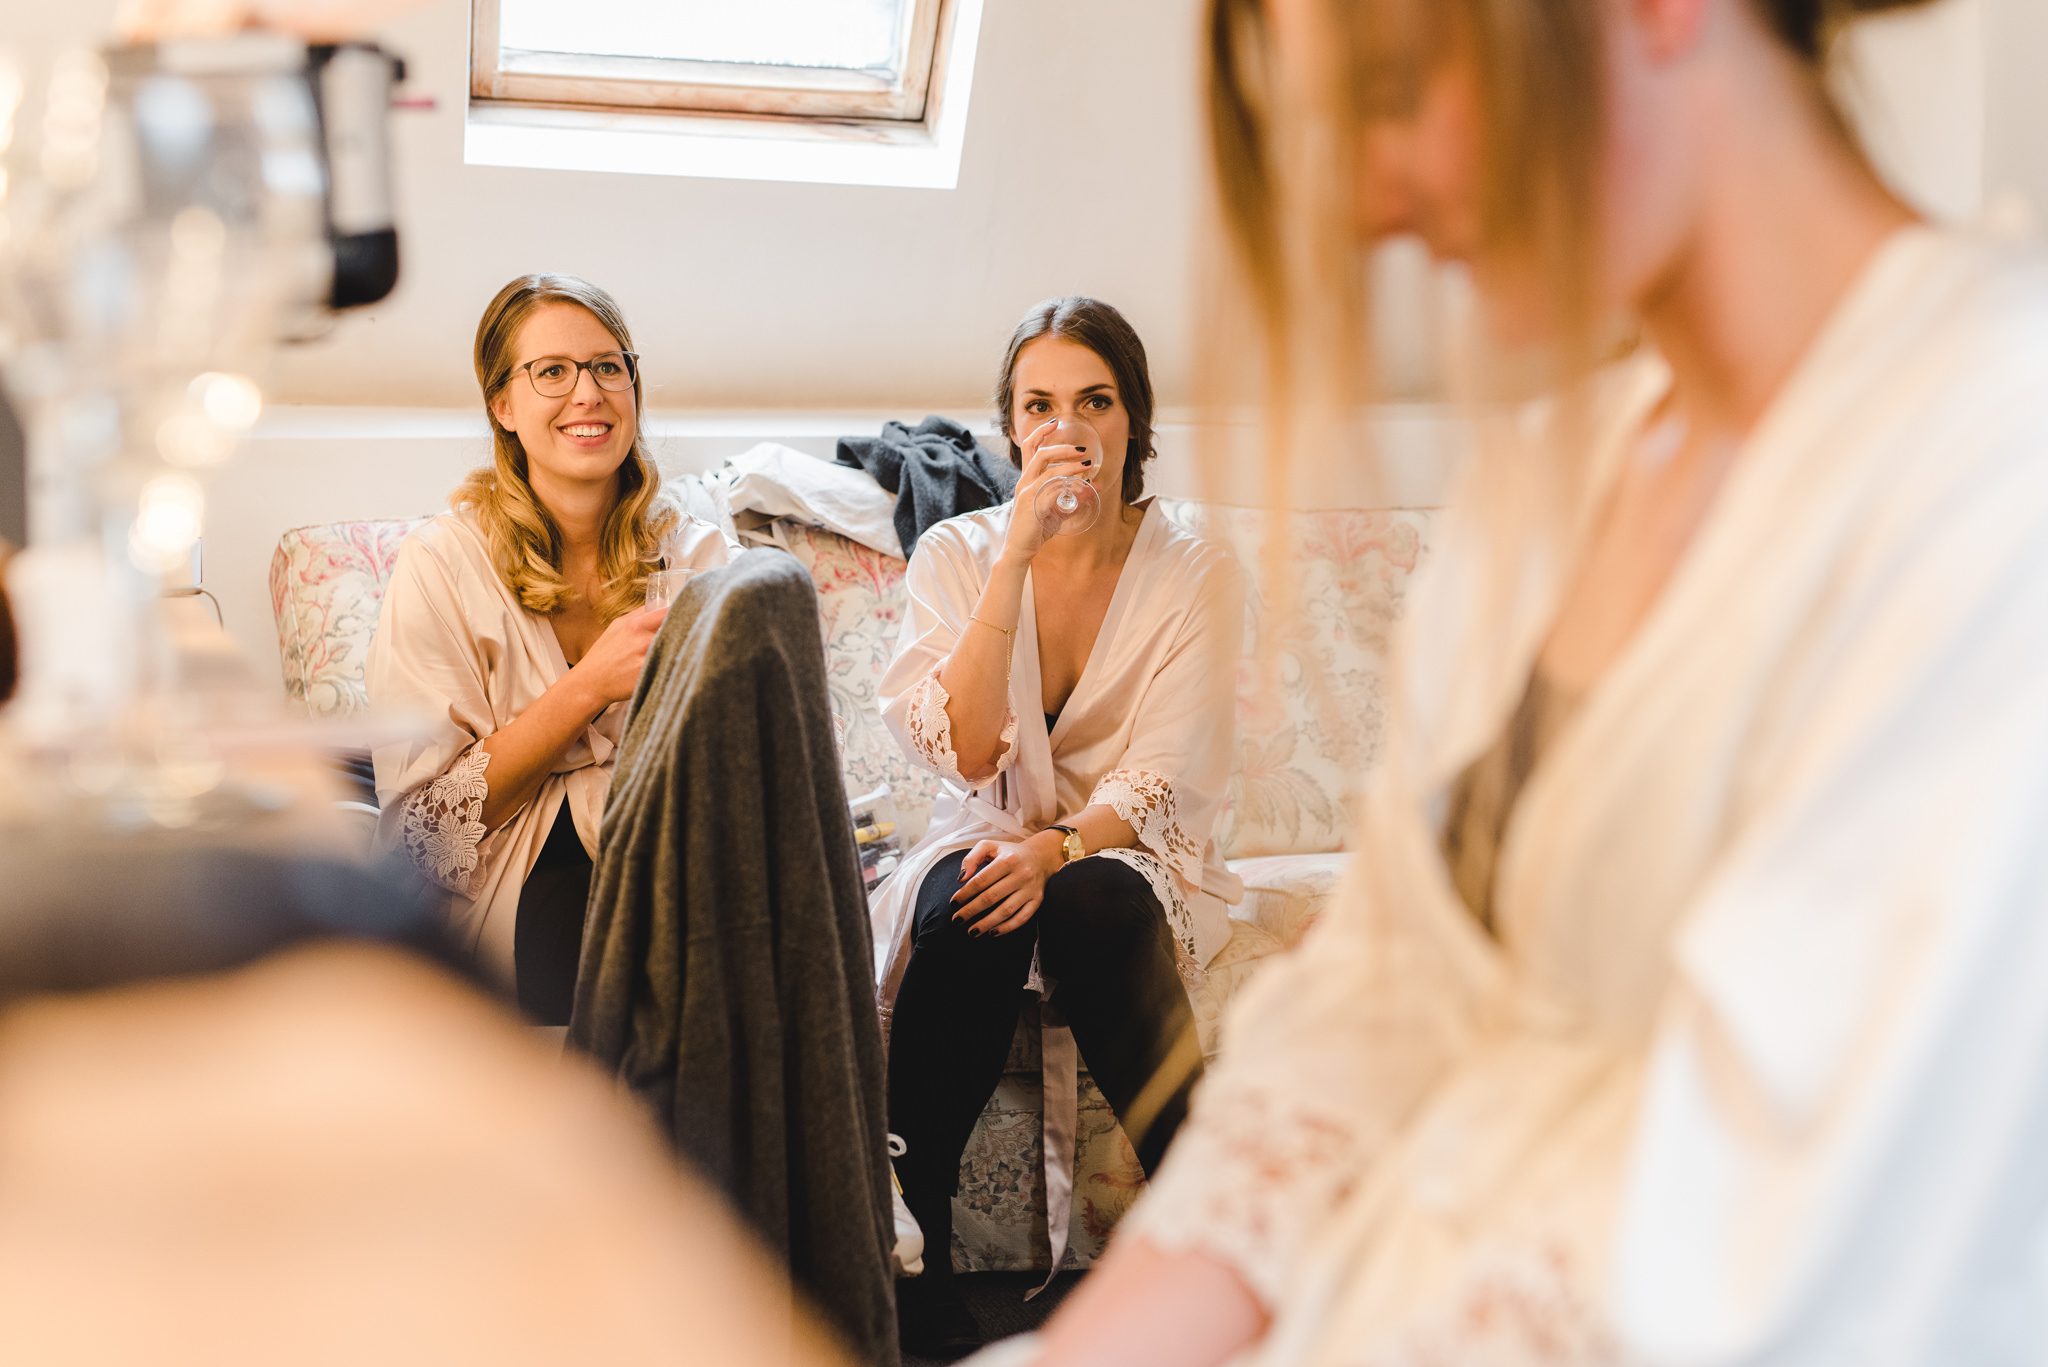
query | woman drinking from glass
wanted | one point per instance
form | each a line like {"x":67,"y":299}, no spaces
{"x":1075,"y":692}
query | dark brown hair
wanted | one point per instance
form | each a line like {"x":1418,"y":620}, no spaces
{"x":1104,"y":331}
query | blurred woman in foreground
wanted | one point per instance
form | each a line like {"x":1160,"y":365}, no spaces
{"x":1688,"y":998}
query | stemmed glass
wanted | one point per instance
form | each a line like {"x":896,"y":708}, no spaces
{"x":1068,"y":504}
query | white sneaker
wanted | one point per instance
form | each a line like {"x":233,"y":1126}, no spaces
{"x":908,"y":1255}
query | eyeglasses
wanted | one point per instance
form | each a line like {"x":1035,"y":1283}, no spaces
{"x":554,"y":376}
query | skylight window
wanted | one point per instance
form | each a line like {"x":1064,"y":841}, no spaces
{"x":841,"y":59}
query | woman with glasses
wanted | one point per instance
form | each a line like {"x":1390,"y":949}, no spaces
{"x":513,"y":631}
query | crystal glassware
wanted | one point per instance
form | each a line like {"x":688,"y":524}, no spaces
{"x":664,"y":585}
{"x":1067,"y":504}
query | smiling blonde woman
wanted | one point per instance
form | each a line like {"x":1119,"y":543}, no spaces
{"x":512,"y":631}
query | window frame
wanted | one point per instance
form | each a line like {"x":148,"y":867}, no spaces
{"x":680,"y":86}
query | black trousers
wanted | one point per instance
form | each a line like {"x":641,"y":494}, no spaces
{"x":1104,"y":944}
{"x":547,"y":936}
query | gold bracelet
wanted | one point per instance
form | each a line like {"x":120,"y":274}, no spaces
{"x":1007,"y":631}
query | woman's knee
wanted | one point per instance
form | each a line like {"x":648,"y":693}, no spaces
{"x":939,"y":929}
{"x":1097,"y":903}
{"x":933,"y":906}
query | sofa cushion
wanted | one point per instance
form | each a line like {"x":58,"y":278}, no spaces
{"x":861,"y":597}
{"x":1284,"y":893}
{"x":1311,"y":700}
{"x":999,"y":1215}
{"x":326,"y":586}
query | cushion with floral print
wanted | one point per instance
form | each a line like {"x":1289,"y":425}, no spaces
{"x":326,"y":585}
{"x":861,"y":598}
{"x":1323,"y":591}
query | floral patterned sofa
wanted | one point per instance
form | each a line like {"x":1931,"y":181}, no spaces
{"x":1310,"y":716}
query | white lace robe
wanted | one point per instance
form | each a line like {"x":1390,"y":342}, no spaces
{"x":1758,"y":1071}
{"x":456,"y":657}
{"x":1149,"y":731}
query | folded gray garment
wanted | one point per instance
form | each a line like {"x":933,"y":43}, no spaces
{"x":726,"y":972}
{"x":936,"y":470}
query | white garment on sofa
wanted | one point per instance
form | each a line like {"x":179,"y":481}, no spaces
{"x":777,"y":481}
{"x":457,"y":653}
{"x":1758,"y":1069}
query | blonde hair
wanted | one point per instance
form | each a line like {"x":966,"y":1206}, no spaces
{"x":1294,"y":278}
{"x":1285,"y":149}
{"x":525,"y":542}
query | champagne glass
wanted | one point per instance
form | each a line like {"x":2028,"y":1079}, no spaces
{"x":664,"y":585}
{"x":1066,"y":505}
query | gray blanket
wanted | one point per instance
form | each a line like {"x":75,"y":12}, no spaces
{"x":936,"y":470}
{"x":726,"y":974}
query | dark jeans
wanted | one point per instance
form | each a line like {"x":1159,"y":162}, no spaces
{"x":1104,"y":944}
{"x":547,"y":936}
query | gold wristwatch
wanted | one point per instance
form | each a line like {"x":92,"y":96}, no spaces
{"x":1071,"y":847}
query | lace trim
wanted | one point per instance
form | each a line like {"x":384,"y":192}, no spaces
{"x":931,"y":731}
{"x":444,"y":822}
{"x":1251,"y":1179}
{"x":1167,"y":889}
{"x":1527,"y":1306}
{"x":1147,"y":801}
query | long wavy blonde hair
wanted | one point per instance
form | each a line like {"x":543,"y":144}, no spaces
{"x":524,"y":539}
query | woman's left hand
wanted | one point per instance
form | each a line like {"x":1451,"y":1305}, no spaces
{"x":1002,"y":883}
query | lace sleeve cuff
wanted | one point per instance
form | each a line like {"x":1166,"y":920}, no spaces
{"x":1147,"y":801}
{"x":444,"y":822}
{"x":931,"y":731}
{"x":1528,"y":1302}
{"x":1249,"y":1184}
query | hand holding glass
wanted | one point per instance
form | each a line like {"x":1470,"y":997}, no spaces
{"x":1068,"y":504}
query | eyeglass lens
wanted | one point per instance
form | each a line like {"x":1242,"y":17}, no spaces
{"x":554,"y":376}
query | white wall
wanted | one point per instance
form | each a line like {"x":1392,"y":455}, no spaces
{"x":2016,"y":131}
{"x":1083,"y":158}
{"x":1080,"y":155}
{"x":1915,"y":84}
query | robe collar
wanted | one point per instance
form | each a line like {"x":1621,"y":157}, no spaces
{"x":1034,"y":745}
